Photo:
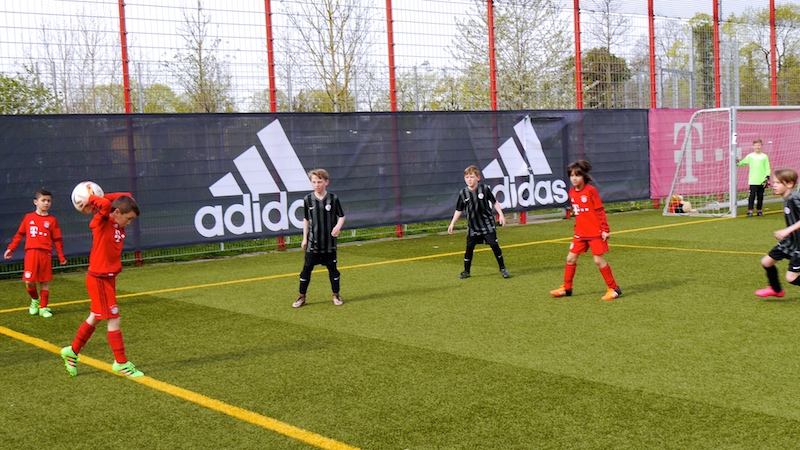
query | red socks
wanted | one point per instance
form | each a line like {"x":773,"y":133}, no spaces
{"x":114,"y":340}
{"x":45,"y":298}
{"x":569,"y":275}
{"x":117,"y":346}
{"x":609,"y":277}
{"x":82,"y":336}
{"x":32,"y":292}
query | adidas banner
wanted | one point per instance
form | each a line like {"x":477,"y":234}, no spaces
{"x":213,"y":178}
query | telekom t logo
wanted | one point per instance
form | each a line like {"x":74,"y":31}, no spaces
{"x":698,"y":157}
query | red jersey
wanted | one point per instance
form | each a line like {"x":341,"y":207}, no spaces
{"x":41,"y":233}
{"x":590,"y":217}
{"x":108,"y":238}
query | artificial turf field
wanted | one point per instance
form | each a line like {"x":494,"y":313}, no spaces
{"x":417,"y":358}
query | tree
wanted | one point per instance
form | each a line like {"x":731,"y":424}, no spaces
{"x":25,"y":94}
{"x":161,"y":99}
{"x":753,"y":30}
{"x":335,"y":39}
{"x":609,"y":32}
{"x":604,"y":74}
{"x":80,"y":54}
{"x":204,"y":77}
{"x":703,"y":39}
{"x":530,"y":40}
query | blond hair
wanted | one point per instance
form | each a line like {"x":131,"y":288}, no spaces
{"x":472,"y":170}
{"x":319,"y":173}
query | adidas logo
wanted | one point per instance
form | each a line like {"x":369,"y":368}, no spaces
{"x":248,"y":216}
{"x":529,"y":192}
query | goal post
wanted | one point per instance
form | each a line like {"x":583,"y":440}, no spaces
{"x":708,"y":181}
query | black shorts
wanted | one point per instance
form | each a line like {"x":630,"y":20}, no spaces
{"x":488,"y":239}
{"x":326,"y":259}
{"x":794,"y":261}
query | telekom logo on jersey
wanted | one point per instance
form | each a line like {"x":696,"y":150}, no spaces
{"x":530,"y":192}
{"x":276,"y":215}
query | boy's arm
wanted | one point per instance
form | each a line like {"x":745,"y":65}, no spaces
{"x":305,"y":234}
{"x":58,"y":243}
{"x":15,"y":240}
{"x":782,"y":234}
{"x":456,"y":216}
{"x":501,"y":217}
{"x":338,"y":227}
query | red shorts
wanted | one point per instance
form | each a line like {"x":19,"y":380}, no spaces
{"x":103,"y":292}
{"x":582,"y":245}
{"x":38,"y":266}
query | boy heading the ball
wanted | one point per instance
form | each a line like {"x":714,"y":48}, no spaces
{"x":116,"y":210}
{"x":41,"y":233}
{"x":479,"y":203}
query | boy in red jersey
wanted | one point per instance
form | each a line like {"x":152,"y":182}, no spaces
{"x":115,"y":211}
{"x":41,"y":233}
{"x":591,"y":231}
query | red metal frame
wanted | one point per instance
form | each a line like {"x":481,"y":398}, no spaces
{"x":717,"y":61}
{"x":652,"y":32}
{"x":578,"y":63}
{"x":273,"y":91}
{"x":492,"y":56}
{"x":398,"y":229}
{"x":123,"y":39}
{"x":773,"y":54}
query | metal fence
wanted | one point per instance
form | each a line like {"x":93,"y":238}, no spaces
{"x":82,"y":56}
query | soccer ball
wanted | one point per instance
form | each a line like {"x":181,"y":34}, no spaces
{"x":81,"y":194}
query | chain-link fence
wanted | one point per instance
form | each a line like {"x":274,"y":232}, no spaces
{"x":334,"y":55}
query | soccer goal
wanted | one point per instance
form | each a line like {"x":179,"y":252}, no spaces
{"x":707,"y":180}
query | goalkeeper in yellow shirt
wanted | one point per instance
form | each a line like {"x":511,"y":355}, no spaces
{"x":758,"y":178}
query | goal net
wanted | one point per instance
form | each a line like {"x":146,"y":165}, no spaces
{"x":707,"y":180}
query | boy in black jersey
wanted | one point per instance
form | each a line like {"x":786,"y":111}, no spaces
{"x":323,"y":219}
{"x":788,"y":247}
{"x":479,"y":202}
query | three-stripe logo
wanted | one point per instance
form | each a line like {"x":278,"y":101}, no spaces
{"x":248,"y":216}
{"x":533,"y":163}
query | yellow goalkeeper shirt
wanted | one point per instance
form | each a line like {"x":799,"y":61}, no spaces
{"x":759,"y":167}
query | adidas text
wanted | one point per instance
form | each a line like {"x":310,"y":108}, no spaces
{"x":530,"y":192}
{"x":275,"y":216}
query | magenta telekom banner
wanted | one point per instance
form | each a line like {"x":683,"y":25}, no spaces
{"x":667,"y":130}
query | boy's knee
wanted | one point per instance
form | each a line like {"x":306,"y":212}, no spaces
{"x":793,"y":278}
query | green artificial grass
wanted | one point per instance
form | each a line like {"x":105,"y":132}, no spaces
{"x":688,"y":357}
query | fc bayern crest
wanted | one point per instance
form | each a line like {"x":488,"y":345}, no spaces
{"x":327,"y":207}
{"x":480,"y":196}
{"x":584,"y":199}
{"x":47,"y":224}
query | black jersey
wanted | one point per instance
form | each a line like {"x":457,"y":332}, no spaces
{"x":478,"y":206}
{"x":322,"y":216}
{"x":791,"y":211}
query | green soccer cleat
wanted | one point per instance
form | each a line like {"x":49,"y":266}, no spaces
{"x":70,"y":360}
{"x":34,"y":309}
{"x":45,"y":312}
{"x":127,"y":369}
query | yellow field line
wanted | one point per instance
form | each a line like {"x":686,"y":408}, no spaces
{"x":395,"y":261}
{"x":207,"y":402}
{"x":257,"y":419}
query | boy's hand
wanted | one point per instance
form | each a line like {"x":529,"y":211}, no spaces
{"x":781,"y":234}
{"x":501,"y":219}
{"x":7,"y":254}
{"x":335,"y":231}
{"x":62,"y":262}
{"x":604,"y":235}
{"x":304,"y":244}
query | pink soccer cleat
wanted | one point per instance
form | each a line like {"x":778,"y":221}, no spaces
{"x":769,"y":292}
